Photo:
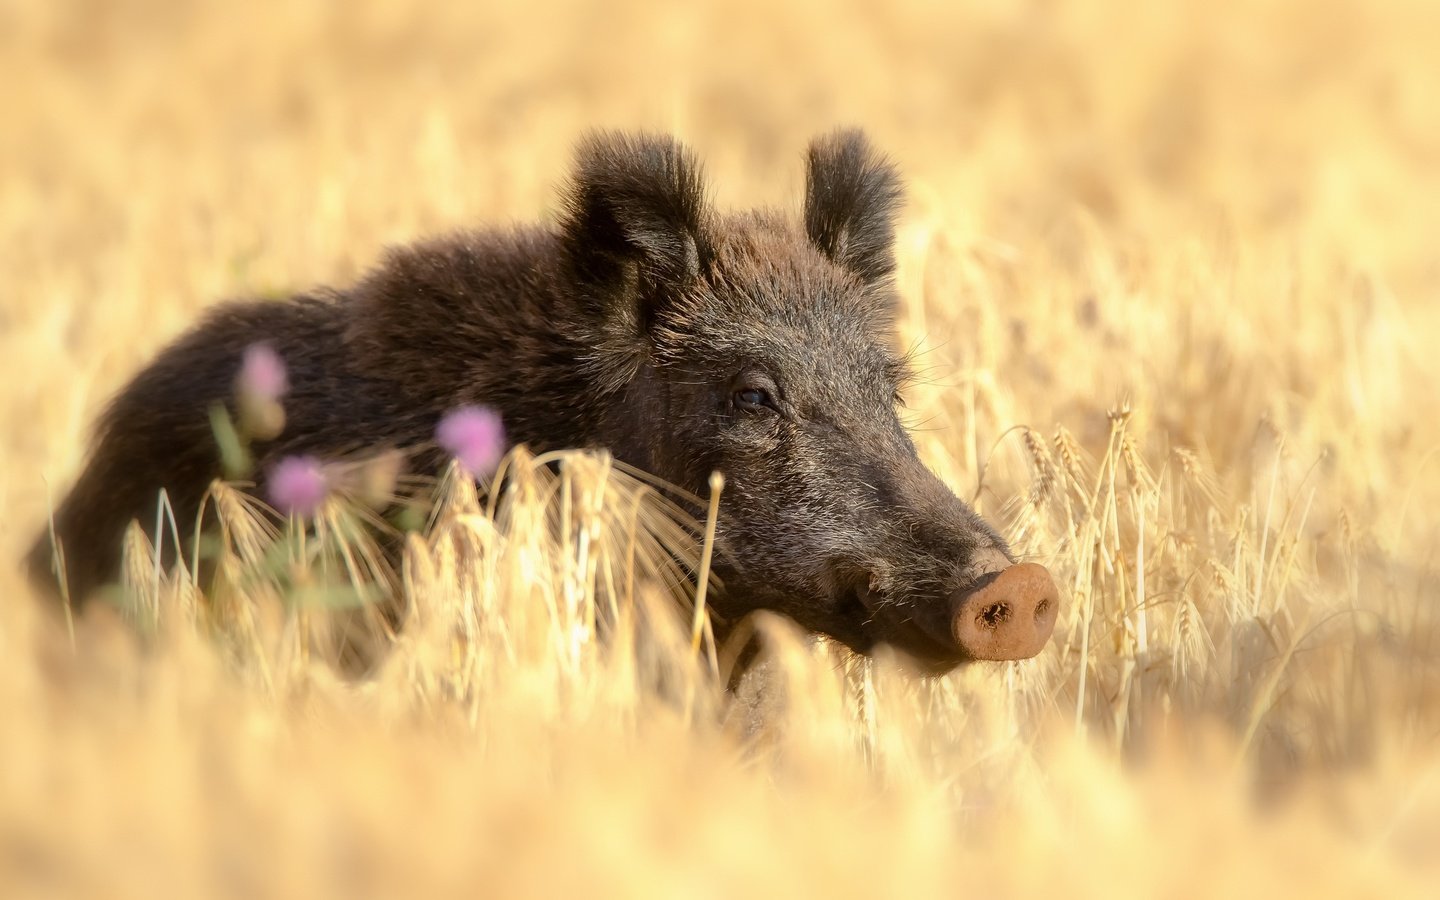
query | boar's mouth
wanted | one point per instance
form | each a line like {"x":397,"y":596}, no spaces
{"x":892,"y":623}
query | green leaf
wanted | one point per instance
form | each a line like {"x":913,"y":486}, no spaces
{"x":235,"y":458}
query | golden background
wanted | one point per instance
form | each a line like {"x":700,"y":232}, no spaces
{"x":1191,"y":248}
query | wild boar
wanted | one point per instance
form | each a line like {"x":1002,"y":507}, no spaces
{"x":683,"y":339}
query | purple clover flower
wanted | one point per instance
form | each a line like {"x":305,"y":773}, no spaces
{"x":298,"y":485}
{"x":260,"y":384}
{"x":475,"y":436}
{"x":262,"y":373}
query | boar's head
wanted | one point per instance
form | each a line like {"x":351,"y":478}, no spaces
{"x":761,"y":345}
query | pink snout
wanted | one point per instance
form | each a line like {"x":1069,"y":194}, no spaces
{"x":1009,"y":618}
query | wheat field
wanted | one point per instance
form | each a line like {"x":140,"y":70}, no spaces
{"x":1171,"y":276}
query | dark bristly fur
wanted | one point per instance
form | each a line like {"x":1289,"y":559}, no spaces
{"x":682,"y":339}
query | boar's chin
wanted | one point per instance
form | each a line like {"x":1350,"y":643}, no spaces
{"x":852,"y":614}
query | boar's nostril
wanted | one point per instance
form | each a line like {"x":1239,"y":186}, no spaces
{"x":995,"y":614}
{"x":1011,"y":617}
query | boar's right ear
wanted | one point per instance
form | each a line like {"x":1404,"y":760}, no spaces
{"x":634,"y":224}
{"x":851,"y":196}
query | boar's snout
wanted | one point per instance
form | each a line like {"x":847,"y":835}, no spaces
{"x":1008,"y":616}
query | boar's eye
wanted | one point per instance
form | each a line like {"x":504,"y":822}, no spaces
{"x":755,"y":394}
{"x":752,"y":397}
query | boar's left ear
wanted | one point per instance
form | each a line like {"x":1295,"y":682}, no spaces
{"x":634,"y":223}
{"x":851,"y":197}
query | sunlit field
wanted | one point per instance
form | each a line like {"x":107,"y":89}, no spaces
{"x":1171,"y":277}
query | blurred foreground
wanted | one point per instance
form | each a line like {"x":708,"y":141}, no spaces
{"x":1172,"y":280}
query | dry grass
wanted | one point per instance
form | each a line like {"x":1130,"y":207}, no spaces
{"x":1172,"y":273}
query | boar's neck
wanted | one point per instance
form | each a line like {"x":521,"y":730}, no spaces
{"x":495,"y":318}
{"x":482,"y":318}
